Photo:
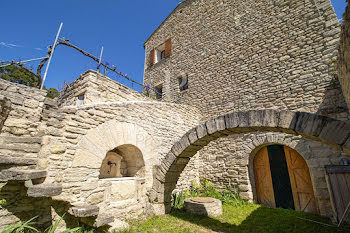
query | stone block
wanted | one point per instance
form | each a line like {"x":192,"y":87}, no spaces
{"x":287,"y":120}
{"x":44,"y":190}
{"x":17,"y":161}
{"x":336,"y":132}
{"x":21,"y":175}
{"x":118,"y":226}
{"x":309,"y":124}
{"x":192,"y":135}
{"x":82,"y":211}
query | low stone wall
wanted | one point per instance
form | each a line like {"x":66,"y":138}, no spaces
{"x":344,"y":55}
{"x":26,"y":108}
{"x":96,"y":88}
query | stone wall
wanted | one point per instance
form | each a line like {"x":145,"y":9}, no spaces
{"x":241,"y":55}
{"x":344,"y":55}
{"x":96,"y":88}
{"x":234,"y":165}
{"x":26,"y":108}
{"x":58,"y":135}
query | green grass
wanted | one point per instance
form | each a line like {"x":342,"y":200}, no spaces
{"x":236,"y":218}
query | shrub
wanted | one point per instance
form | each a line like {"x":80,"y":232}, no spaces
{"x":206,"y":188}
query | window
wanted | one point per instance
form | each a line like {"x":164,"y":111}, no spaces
{"x":183,"y":83}
{"x":162,"y":52}
{"x":81,"y":99}
{"x":159,"y":92}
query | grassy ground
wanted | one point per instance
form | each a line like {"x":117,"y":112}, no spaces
{"x":246,"y":218}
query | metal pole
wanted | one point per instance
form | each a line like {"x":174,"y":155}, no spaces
{"x":22,"y":62}
{"x":48,"y":63}
{"x":100,"y":58}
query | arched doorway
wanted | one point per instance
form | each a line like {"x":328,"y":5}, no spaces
{"x":282,"y":179}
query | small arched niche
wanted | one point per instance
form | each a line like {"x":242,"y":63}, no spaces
{"x":123,"y":161}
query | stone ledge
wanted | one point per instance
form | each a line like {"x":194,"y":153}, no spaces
{"x":17,"y":161}
{"x":44,"y":190}
{"x":22,"y":175}
{"x":83,"y":211}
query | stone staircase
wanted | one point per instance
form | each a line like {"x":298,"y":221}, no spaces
{"x":90,"y":215}
{"x":18,"y":162}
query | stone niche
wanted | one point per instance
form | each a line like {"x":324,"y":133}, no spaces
{"x":123,"y":161}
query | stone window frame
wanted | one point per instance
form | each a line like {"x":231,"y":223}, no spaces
{"x":184,"y":88}
{"x":159,"y":95}
{"x":80,"y":101}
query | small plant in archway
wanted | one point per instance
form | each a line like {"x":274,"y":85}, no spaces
{"x":205,"y":188}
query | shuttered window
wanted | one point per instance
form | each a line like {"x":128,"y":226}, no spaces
{"x":168,"y":48}
{"x":151,"y":57}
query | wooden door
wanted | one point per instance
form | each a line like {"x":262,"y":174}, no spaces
{"x":263,"y":179}
{"x":300,"y":180}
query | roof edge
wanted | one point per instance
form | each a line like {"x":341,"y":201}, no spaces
{"x":182,"y":4}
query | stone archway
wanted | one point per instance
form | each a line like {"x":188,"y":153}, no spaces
{"x":93,"y":147}
{"x":332,"y":132}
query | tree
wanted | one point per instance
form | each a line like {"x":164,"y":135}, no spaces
{"x":19,"y":75}
{"x":22,"y":76}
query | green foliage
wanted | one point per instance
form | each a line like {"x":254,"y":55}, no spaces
{"x":27,"y":227}
{"x":207,"y":189}
{"x":178,"y":200}
{"x":2,"y":201}
{"x":19,"y":75}
{"x":20,"y":227}
{"x":51,"y":93}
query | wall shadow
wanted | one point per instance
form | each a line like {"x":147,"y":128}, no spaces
{"x":25,"y":208}
{"x":262,"y":219}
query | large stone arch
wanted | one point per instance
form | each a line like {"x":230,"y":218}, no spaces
{"x":93,"y":147}
{"x":334,"y":133}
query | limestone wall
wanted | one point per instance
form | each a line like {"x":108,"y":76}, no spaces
{"x":96,"y":88}
{"x":344,"y":55}
{"x":234,"y":165}
{"x":70,"y":143}
{"x":26,"y":108}
{"x":88,"y":132}
{"x":241,"y":55}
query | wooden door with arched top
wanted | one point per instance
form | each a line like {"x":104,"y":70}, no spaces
{"x":263,"y":179}
{"x":300,"y":179}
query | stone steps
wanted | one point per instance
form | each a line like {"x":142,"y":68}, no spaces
{"x":17,"y":161}
{"x":21,"y":175}
{"x":84,"y":210}
{"x":44,"y":190}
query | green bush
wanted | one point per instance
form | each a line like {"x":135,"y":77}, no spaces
{"x":206,"y":188}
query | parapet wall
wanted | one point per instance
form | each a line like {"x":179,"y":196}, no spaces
{"x":344,"y":55}
{"x":26,"y":108}
{"x":96,"y":88}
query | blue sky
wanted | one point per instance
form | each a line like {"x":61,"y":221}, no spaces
{"x":122,"y":27}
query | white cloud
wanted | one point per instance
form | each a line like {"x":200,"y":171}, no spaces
{"x":40,"y":49}
{"x":8,"y":45}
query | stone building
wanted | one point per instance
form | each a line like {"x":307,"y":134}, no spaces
{"x":224,"y":56}
{"x":239,"y":85}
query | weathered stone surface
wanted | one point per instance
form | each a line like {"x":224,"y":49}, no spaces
{"x":336,"y":132}
{"x":21,"y":175}
{"x":84,"y":211}
{"x":118,"y":225}
{"x":17,"y":161}
{"x":44,"y":190}
{"x":211,"y":208}
{"x":310,"y":124}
